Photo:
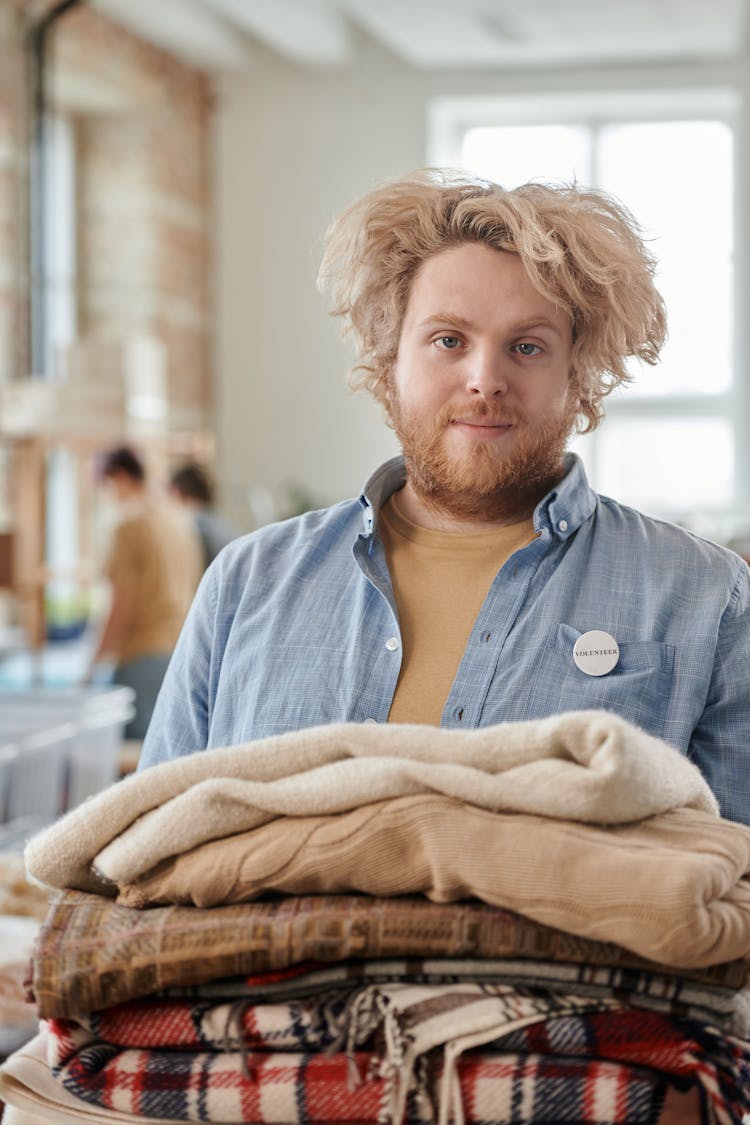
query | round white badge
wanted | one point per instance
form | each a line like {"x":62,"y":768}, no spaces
{"x":596,"y":652}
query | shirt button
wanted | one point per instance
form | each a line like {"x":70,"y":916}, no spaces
{"x":392,"y":644}
{"x":562,"y":525}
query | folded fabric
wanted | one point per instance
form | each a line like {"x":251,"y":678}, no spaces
{"x":92,"y":953}
{"x":30,"y":1093}
{"x":727,"y":1009}
{"x":436,"y":1029}
{"x":296,"y":1089}
{"x":602,"y":883}
{"x":315,"y":1020}
{"x":587,"y":765}
{"x":718,"y":1065}
{"x":400,"y":1023}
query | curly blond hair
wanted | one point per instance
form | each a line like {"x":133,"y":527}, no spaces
{"x":581,"y":249}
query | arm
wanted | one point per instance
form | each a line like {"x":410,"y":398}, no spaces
{"x":121,"y":568}
{"x":720,"y":745}
{"x":116,"y":628}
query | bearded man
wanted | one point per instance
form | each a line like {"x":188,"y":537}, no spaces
{"x":478,"y":579}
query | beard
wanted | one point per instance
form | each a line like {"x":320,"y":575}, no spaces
{"x":483,"y":483}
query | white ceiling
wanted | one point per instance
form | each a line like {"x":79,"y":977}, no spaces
{"x":218,"y":35}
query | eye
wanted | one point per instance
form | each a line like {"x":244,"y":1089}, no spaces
{"x":449,"y":343}
{"x":526,"y":349}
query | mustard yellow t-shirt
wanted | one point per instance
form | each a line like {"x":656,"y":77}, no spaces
{"x":155,"y":557}
{"x":440,"y":580}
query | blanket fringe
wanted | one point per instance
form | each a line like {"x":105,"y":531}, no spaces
{"x":405,"y":1073}
{"x":234,"y":1034}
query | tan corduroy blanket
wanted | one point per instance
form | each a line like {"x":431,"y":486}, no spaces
{"x":589,"y":766}
{"x":674,"y":888}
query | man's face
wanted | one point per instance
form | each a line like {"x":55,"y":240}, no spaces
{"x":479,"y":395}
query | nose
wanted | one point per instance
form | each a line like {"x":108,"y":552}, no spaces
{"x":486,"y":374}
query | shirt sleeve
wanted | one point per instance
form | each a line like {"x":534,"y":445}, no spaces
{"x":720,"y":745}
{"x":180,"y":721}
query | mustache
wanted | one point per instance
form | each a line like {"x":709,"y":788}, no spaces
{"x":483,"y":411}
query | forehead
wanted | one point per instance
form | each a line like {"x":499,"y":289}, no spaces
{"x":475,"y":281}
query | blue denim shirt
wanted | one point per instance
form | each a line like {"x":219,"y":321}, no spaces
{"x":296,"y":625}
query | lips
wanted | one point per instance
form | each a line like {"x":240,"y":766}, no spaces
{"x":477,"y":414}
{"x":480,"y":424}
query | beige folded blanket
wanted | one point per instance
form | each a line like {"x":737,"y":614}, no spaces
{"x":674,"y":888}
{"x":587,"y":765}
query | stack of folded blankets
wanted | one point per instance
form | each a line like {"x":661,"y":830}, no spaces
{"x":539,"y":922}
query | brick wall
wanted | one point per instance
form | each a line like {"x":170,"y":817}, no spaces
{"x":142,"y":122}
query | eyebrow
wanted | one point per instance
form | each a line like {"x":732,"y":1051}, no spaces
{"x":462,"y":322}
{"x":445,"y":318}
{"x":538,"y":322}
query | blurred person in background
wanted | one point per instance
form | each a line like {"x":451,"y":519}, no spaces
{"x":153,"y":567}
{"x":191,"y":486}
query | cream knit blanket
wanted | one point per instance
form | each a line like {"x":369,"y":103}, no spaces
{"x":589,"y":766}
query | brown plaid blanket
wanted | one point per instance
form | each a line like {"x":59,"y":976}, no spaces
{"x":92,"y":953}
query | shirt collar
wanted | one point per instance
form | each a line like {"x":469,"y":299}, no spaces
{"x":562,"y":510}
{"x":569,"y":504}
{"x":386,"y":480}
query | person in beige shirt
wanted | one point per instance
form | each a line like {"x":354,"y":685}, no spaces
{"x":153,"y":566}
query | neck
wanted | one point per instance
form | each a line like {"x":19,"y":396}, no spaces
{"x":426,"y":512}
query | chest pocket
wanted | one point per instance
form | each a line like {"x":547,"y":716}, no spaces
{"x":638,"y":688}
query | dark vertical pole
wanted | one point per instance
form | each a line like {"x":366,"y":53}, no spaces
{"x":39,"y":184}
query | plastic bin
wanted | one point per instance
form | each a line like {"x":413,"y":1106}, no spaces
{"x":94,"y":760}
{"x":8,"y":754}
{"x":67,"y":744}
{"x":38,"y":767}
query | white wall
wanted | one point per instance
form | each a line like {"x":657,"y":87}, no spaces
{"x":294,"y":147}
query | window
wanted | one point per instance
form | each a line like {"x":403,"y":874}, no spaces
{"x":62,"y":593}
{"x":670,"y":440}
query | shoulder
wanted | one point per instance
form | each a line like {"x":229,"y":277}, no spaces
{"x":130,"y":530}
{"x":668,"y":547}
{"x":294,"y":542}
{"x":651,"y":529}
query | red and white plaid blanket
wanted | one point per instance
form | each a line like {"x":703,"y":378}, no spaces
{"x":287,"y":1088}
{"x":404,"y":1015}
{"x":585,"y":1066}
